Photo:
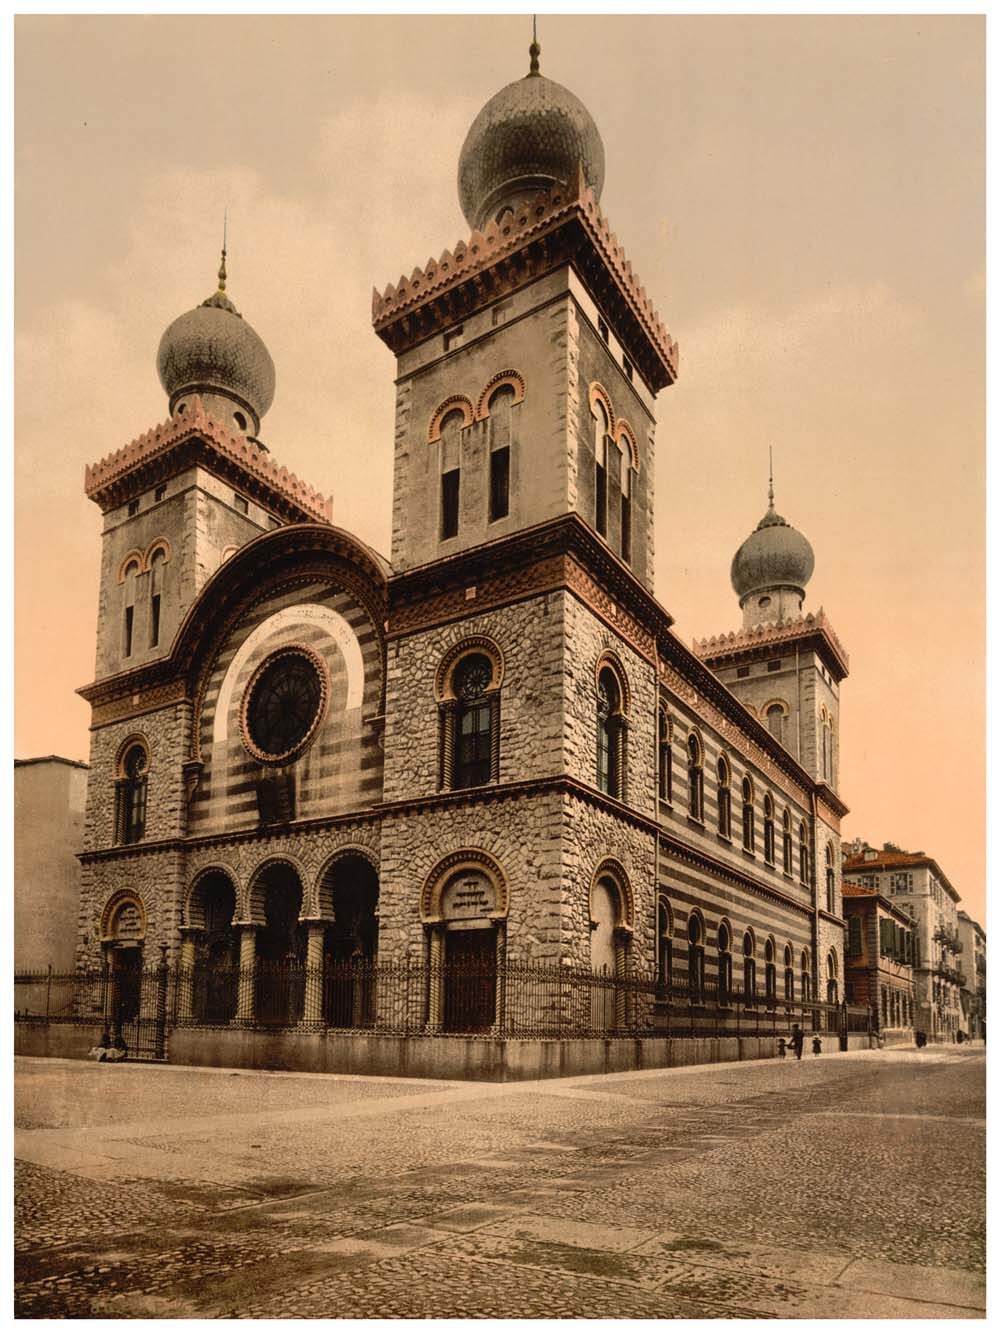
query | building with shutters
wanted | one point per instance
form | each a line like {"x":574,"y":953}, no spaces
{"x":973,"y":997}
{"x":878,"y":965}
{"x":489,"y":750}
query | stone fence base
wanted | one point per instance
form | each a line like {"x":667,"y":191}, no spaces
{"x":487,"y":1059}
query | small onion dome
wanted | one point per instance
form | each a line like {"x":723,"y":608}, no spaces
{"x":531,"y":136}
{"x":212,"y":349}
{"x":775,"y":555}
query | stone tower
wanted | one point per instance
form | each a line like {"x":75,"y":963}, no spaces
{"x":527,"y":363}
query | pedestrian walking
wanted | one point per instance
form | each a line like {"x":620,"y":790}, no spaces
{"x":781,"y":1048}
{"x":797,"y":1040}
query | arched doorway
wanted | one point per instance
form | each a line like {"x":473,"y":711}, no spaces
{"x":281,"y":946}
{"x":463,"y":905}
{"x":216,"y":948}
{"x":348,"y":895}
{"x":610,"y":931}
{"x":123,"y":937}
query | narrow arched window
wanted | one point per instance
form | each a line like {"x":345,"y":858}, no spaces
{"x":776,"y":721}
{"x":826,"y":749}
{"x":725,"y":798}
{"x":501,"y":435}
{"x":156,"y":565}
{"x":803,"y":854}
{"x":664,"y":947}
{"x":831,"y":881}
{"x":749,"y":971}
{"x":806,"y":976}
{"x":451,"y":472}
{"x":665,"y":756}
{"x":473,"y":765}
{"x":725,"y":963}
{"x":786,"y":843}
{"x":128,"y":618}
{"x":130,"y":795}
{"x":696,"y":779}
{"x":626,"y":502}
{"x":611,"y":738}
{"x":748,"y":816}
{"x":768,"y":829}
{"x":832,"y":989}
{"x":696,"y":958}
{"x":770,"y":974}
{"x":789,"y":975}
{"x":601,"y":425}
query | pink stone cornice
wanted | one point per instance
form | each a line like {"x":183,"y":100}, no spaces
{"x":737,"y":642}
{"x":489,"y":248}
{"x":103,"y":480}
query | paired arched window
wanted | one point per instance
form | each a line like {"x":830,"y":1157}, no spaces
{"x":696,"y":957}
{"x":749,"y":970}
{"x":130,"y":579}
{"x":601,"y":427}
{"x":725,"y":798}
{"x":770,"y":973}
{"x":451,"y":471}
{"x":789,"y":975}
{"x":831,"y":881}
{"x":831,"y":978}
{"x":470,"y":721}
{"x":725,"y":962}
{"x":130,"y":793}
{"x":803,"y":854}
{"x":612,"y":480}
{"x":624,"y":461}
{"x":156,"y":564}
{"x":786,"y":842}
{"x":775,"y":717}
{"x":664,"y":945}
{"x":665,"y":757}
{"x":768,"y":829}
{"x":696,"y":778}
{"x":501,"y":436}
{"x":611,"y":733}
{"x":748,"y":816}
{"x":806,"y":975}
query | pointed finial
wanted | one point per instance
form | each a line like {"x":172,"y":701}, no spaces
{"x":534,"y":50}
{"x":770,"y":477}
{"x":222,"y":266}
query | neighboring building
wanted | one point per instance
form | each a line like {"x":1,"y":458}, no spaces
{"x":49,"y":798}
{"x":493,"y":749}
{"x":917,"y":885}
{"x":879,"y":964}
{"x":973,"y":939}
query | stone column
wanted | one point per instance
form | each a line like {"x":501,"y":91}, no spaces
{"x":435,"y":990}
{"x":448,"y":710}
{"x":185,"y":976}
{"x":313,"y":1011}
{"x":248,"y":974}
{"x":500,"y":989}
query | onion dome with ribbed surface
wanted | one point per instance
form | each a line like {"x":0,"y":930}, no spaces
{"x":531,"y":136}
{"x":774,"y":556}
{"x":213,"y":350}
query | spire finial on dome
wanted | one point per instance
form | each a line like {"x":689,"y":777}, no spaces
{"x":534,"y":50}
{"x":770,"y":476}
{"x":222,"y":265}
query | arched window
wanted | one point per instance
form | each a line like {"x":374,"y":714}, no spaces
{"x":776,"y":721}
{"x":786,"y":842}
{"x":501,"y":435}
{"x":768,"y":829}
{"x":749,"y":971}
{"x":803,"y":854}
{"x":158,"y":560}
{"x":826,"y":748}
{"x":696,"y":957}
{"x":696,"y":779}
{"x":626,"y":501}
{"x":789,"y":975}
{"x":130,"y":794}
{"x":128,"y":620}
{"x":451,"y":472}
{"x":665,"y":756}
{"x":748,"y":815}
{"x":472,"y":679}
{"x":831,"y":881}
{"x":725,"y":963}
{"x":611,"y":734}
{"x":725,"y":798}
{"x":806,"y":976}
{"x":770,"y":974}
{"x":831,"y":978}
{"x":664,"y":946}
{"x":601,"y":427}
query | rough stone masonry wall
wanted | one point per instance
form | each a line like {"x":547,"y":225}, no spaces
{"x":165,"y":733}
{"x":155,"y":878}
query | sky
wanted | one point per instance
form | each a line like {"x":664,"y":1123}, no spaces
{"x":801,"y":197}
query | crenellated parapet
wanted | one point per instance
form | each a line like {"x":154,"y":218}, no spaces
{"x":816,"y":625}
{"x":199,"y":437}
{"x":555,"y":227}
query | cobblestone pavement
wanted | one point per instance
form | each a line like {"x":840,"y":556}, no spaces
{"x":848,"y":1186}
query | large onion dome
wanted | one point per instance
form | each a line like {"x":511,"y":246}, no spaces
{"x":774,"y":556}
{"x":212,"y":350}
{"x":530,"y":136}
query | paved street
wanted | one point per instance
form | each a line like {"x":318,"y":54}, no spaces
{"x":844,"y":1186}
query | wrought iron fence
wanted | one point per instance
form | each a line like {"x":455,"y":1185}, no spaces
{"x":407,"y":997}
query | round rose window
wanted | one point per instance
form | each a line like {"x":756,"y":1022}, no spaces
{"x":283,"y":704}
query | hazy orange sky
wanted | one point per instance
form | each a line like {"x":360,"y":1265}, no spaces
{"x":803,"y":199}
